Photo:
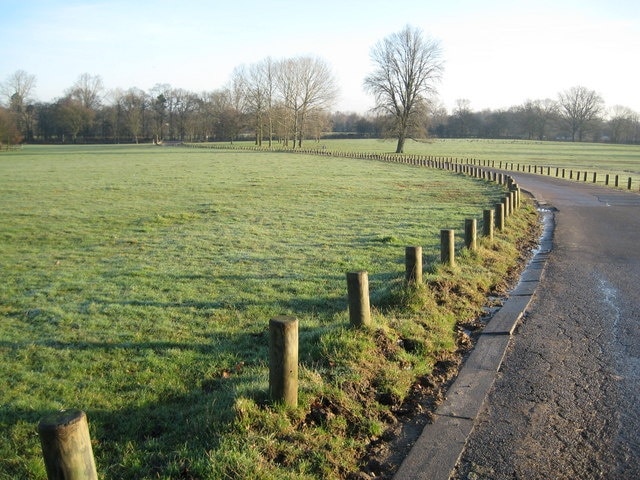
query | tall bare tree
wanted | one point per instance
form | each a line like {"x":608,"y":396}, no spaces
{"x":85,"y":94}
{"x":88,"y":91}
{"x":578,"y":107}
{"x":259,"y":90}
{"x":133,"y":104}
{"x":623,"y":124}
{"x":305,"y":85}
{"x":407,"y":67}
{"x":17,"y":90}
{"x":536,"y":117}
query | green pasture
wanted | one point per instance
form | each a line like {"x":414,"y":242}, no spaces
{"x":622,"y":160}
{"x":138,"y":282}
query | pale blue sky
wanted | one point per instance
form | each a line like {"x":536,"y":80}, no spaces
{"x":497,"y":53}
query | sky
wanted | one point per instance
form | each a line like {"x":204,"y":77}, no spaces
{"x":497,"y":53}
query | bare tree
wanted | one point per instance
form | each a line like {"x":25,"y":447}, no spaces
{"x":259,"y":90}
{"x":462,"y":117}
{"x":133,"y":104}
{"x":305,"y":85}
{"x":18,"y":87}
{"x":407,"y":66}
{"x":578,"y":107}
{"x":623,"y":124}
{"x":86,"y":94}
{"x":17,"y":90}
{"x":537,"y":115}
{"x":88,"y":91}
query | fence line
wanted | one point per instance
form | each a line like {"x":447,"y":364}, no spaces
{"x":459,"y":165}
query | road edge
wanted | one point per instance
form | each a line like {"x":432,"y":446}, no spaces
{"x":437,"y":451}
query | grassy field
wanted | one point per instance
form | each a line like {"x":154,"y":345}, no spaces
{"x":623,"y":160}
{"x":138,"y":282}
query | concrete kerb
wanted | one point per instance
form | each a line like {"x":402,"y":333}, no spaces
{"x":439,"y":447}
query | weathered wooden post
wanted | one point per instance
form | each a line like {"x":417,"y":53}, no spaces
{"x":470,"y":234}
{"x":505,"y":207}
{"x":617,"y":180}
{"x":413,"y":265}
{"x":447,"y":247}
{"x":487,"y":223}
{"x":512,"y":200}
{"x":283,"y":360}
{"x":358,"y":291}
{"x":629,"y":184}
{"x":66,"y":446}
{"x":500,"y":216}
{"x":595,"y":177}
{"x":606,"y":179}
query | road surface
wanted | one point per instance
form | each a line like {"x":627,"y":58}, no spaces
{"x":566,"y":403}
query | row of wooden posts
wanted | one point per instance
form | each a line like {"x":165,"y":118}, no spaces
{"x":64,"y":436}
{"x":283,"y":331}
{"x":449,"y":163}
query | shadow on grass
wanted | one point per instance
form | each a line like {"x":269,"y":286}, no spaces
{"x":173,"y":437}
{"x":165,"y":439}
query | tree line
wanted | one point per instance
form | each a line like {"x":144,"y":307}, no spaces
{"x":285,"y":100}
{"x":290,"y":100}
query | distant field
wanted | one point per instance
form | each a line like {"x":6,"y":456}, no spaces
{"x":623,"y":160}
{"x":137,"y":283}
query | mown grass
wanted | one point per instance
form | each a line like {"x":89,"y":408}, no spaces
{"x":138,"y":283}
{"x":622,"y":160}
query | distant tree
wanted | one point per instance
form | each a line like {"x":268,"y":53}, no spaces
{"x":578,"y":107}
{"x":17,"y":91}
{"x":72,"y":117}
{"x":86,"y":93}
{"x":462,"y":118}
{"x":186,"y":104}
{"x":133,"y":104}
{"x":407,"y":67}
{"x":622,"y":124}
{"x":159,"y":106}
{"x":306,"y":86}
{"x":259,"y":81}
{"x":536,"y":116}
{"x":9,"y":133}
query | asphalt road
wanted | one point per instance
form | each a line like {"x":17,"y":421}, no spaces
{"x":566,"y":402}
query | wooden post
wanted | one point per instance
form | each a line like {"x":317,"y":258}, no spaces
{"x":470,"y":234}
{"x":617,"y":180}
{"x":66,"y":446}
{"x":358,"y":291}
{"x":487,"y":223}
{"x":413,"y":265}
{"x":606,"y":179}
{"x":447,"y":247}
{"x":500,"y":216}
{"x":629,"y":184}
{"x":283,"y":360}
{"x":505,"y":207}
{"x":595,"y":177}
